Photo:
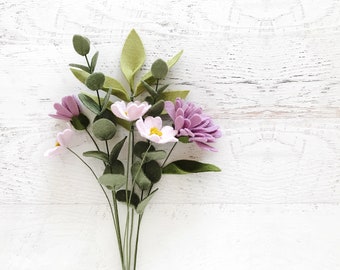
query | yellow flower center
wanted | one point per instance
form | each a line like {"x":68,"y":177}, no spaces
{"x":126,"y":113}
{"x":156,"y":131}
{"x":57,"y":144}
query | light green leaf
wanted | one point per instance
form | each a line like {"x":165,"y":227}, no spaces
{"x":104,"y":129}
{"x":106,"y":100}
{"x":97,"y":154}
{"x":172,"y":95}
{"x":117,"y":89}
{"x":150,"y":79}
{"x":89,"y":103}
{"x":133,"y":57}
{"x":94,"y":61}
{"x":141,"y":206}
{"x":189,"y":166}
{"x":85,"y":68}
{"x":81,"y":75}
{"x":81,"y":45}
{"x":112,"y":181}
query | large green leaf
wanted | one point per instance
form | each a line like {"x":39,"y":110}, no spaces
{"x":112,"y":181}
{"x":81,"y":75}
{"x":97,"y":154}
{"x":148,"y":78}
{"x":189,"y":166}
{"x":172,"y":95}
{"x":133,"y":57}
{"x":141,"y":206}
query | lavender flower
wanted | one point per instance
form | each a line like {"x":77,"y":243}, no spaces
{"x":67,"y":109}
{"x":190,"y":122}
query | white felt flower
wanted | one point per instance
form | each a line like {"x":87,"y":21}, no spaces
{"x":130,"y":111}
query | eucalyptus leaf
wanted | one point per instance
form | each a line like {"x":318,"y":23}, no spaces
{"x":172,"y":95}
{"x":133,"y":56}
{"x":80,"y":122}
{"x":98,"y":155}
{"x":112,"y":181}
{"x":82,"y":67}
{"x":107,"y":114}
{"x":115,"y":167}
{"x":116,"y":150}
{"x":154,"y":155}
{"x":159,"y":69}
{"x":189,"y":166}
{"x":153,"y":171}
{"x":141,"y":206}
{"x":156,"y":109}
{"x":138,"y":175}
{"x":104,"y":129}
{"x":151,"y":91}
{"x":121,"y":197}
{"x":150,"y":79}
{"x":141,"y":147}
{"x":162,"y":88}
{"x":89,"y":103}
{"x":81,"y":45}
{"x":106,"y":101}
{"x":94,"y":61}
{"x":117,"y":88}
{"x":95,"y":81}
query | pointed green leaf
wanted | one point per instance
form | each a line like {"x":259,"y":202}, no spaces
{"x":81,"y":45}
{"x":133,"y":56}
{"x":80,"y":122}
{"x":97,"y":154}
{"x":150,"y":79}
{"x":85,"y":68}
{"x":117,"y":89}
{"x":121,"y":197}
{"x":112,"y":181}
{"x":138,"y":175}
{"x":141,"y":206}
{"x":141,"y":147}
{"x":189,"y":166}
{"x":89,"y":103}
{"x":151,"y":91}
{"x":104,"y":129}
{"x":172,"y":95}
{"x":106,"y":100}
{"x":162,"y":88}
{"x":116,"y":150}
{"x":154,"y":155}
{"x":156,"y":109}
{"x":94,"y":61}
{"x":153,"y":171}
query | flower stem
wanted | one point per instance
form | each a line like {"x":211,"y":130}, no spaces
{"x":117,"y":227}
{"x":88,"y":63}
{"x":137,"y":240}
{"x":167,"y":157}
{"x":95,"y":143}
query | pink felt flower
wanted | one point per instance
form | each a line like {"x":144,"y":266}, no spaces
{"x":151,"y":129}
{"x":63,"y":140}
{"x":190,"y":122}
{"x":67,"y":109}
{"x":131,"y":111}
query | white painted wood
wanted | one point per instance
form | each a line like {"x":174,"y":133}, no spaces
{"x":267,"y":71}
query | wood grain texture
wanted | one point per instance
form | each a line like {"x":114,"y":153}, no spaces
{"x":267,"y":71}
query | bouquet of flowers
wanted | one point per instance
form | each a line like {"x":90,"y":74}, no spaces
{"x":151,"y":116}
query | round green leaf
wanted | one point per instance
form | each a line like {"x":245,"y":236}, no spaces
{"x":141,"y":147}
{"x":121,"y":197}
{"x":112,"y":181}
{"x":104,"y":129}
{"x":159,"y":69}
{"x":95,"y":81}
{"x":153,"y":171}
{"x":81,"y":45}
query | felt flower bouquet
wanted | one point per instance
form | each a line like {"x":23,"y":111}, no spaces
{"x":154,"y":120}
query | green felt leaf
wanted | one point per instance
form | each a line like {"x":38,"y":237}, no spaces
{"x":107,"y":114}
{"x":81,"y":75}
{"x":138,"y":175}
{"x":117,"y":89}
{"x":133,"y":56}
{"x":156,"y":109}
{"x":172,"y":95}
{"x":125,"y":124}
{"x":98,"y":155}
{"x":81,"y":45}
{"x":106,"y":101}
{"x":154,"y":155}
{"x":159,"y":69}
{"x":116,"y":150}
{"x":80,"y":122}
{"x":95,"y":81}
{"x":82,"y":67}
{"x":151,"y":91}
{"x":89,"y":103}
{"x":141,"y":206}
{"x":162,"y":88}
{"x":121,"y":197}
{"x":150,"y":79}
{"x":116,"y":167}
{"x":153,"y":171}
{"x":104,"y":129}
{"x":112,"y":181}
{"x":94,"y":61}
{"x":184,"y":139}
{"x":189,"y":166}
{"x":141,"y":147}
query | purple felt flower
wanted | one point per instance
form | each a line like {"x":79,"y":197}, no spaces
{"x":190,"y":122}
{"x":67,"y":109}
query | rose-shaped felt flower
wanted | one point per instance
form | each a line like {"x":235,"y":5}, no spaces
{"x":190,"y":122}
{"x":67,"y":109}
{"x":151,"y":129}
{"x":63,"y":140}
{"x":130,"y":111}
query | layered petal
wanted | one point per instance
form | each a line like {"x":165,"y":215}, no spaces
{"x":130,"y":111}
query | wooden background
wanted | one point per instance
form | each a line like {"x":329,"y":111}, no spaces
{"x":267,"y":71}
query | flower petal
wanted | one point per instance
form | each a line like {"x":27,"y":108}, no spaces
{"x":64,"y":137}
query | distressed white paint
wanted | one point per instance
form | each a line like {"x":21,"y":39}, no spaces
{"x":268,"y":71}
